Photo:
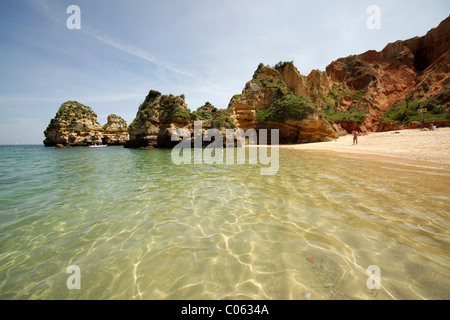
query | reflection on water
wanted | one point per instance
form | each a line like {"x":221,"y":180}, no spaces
{"x":140,"y":227}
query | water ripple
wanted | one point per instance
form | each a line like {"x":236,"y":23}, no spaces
{"x":140,"y":227}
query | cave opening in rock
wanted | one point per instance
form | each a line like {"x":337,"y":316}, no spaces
{"x":421,"y":60}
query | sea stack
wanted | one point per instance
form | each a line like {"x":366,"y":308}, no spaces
{"x":76,"y":125}
{"x":157,"y":118}
{"x":115,"y":132}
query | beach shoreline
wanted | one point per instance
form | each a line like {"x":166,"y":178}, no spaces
{"x":411,"y":145}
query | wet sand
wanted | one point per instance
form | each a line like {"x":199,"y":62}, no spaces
{"x":415,"y":145}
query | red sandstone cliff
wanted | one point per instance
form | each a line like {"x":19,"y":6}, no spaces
{"x":357,"y":90}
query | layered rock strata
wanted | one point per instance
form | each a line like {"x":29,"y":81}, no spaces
{"x":76,"y":125}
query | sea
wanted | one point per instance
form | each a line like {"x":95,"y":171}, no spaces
{"x":116,"y":223}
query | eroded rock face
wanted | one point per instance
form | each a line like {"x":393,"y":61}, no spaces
{"x":76,"y":125}
{"x":264,"y":89}
{"x":157,"y":118}
{"x":352,"y":94}
{"x":115,"y":131}
{"x":416,"y":69}
{"x":270,"y":87}
{"x":315,"y":84}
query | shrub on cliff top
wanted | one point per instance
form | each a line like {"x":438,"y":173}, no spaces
{"x":153,"y":94}
{"x":260,"y":66}
{"x":219,"y":118}
{"x":205,"y":112}
{"x":76,"y":108}
{"x":281,"y":64}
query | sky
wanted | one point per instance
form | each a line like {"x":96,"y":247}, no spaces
{"x":204,"y":49}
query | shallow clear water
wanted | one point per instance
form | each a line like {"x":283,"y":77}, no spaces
{"x":139,"y":226}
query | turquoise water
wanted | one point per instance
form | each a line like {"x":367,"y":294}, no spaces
{"x":140,"y":227}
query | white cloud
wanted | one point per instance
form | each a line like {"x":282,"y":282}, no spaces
{"x":138,"y":53}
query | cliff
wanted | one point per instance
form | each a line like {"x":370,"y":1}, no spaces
{"x":278,"y":100}
{"x":157,"y":118}
{"x":366,"y":92}
{"x":372,"y":91}
{"x":160,"y":115}
{"x":76,"y":125}
{"x":413,"y":72}
{"x":115,"y":131}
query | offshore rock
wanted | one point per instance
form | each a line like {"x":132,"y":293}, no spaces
{"x":157,"y":118}
{"x":115,"y":131}
{"x":74,"y":125}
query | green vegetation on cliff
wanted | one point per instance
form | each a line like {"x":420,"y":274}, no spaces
{"x":160,"y":108}
{"x":74,"y":110}
{"x":351,"y":114}
{"x":205,"y":112}
{"x":288,"y":107}
{"x":356,"y":112}
{"x":408,"y":112}
{"x":222,"y":119}
{"x":218,"y":118}
{"x":171,"y":109}
{"x":279,"y":85}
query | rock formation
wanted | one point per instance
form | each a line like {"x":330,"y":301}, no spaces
{"x":414,"y":70}
{"x":275,"y":100}
{"x":157,"y":118}
{"x":161,"y":115}
{"x":76,"y":125}
{"x":115,"y":131}
{"x":354,"y":93}
{"x":371,"y":91}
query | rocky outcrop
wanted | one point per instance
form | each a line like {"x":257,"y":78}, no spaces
{"x":272,"y":100}
{"x":157,"y":118}
{"x":314,"y":85}
{"x":266,"y":87}
{"x":115,"y":131}
{"x":353,"y":93}
{"x":76,"y":125}
{"x":416,"y":69}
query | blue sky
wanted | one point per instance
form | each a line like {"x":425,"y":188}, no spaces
{"x":205,"y":49}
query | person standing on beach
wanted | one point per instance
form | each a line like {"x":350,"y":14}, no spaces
{"x":355,"y":137}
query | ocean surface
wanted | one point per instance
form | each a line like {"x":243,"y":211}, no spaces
{"x":140,"y":227}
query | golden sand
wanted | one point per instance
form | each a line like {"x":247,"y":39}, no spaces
{"x":416,"y":145}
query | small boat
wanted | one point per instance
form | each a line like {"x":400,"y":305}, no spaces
{"x":98,"y":146}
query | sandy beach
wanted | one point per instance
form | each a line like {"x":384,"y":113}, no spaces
{"x":415,"y":145}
